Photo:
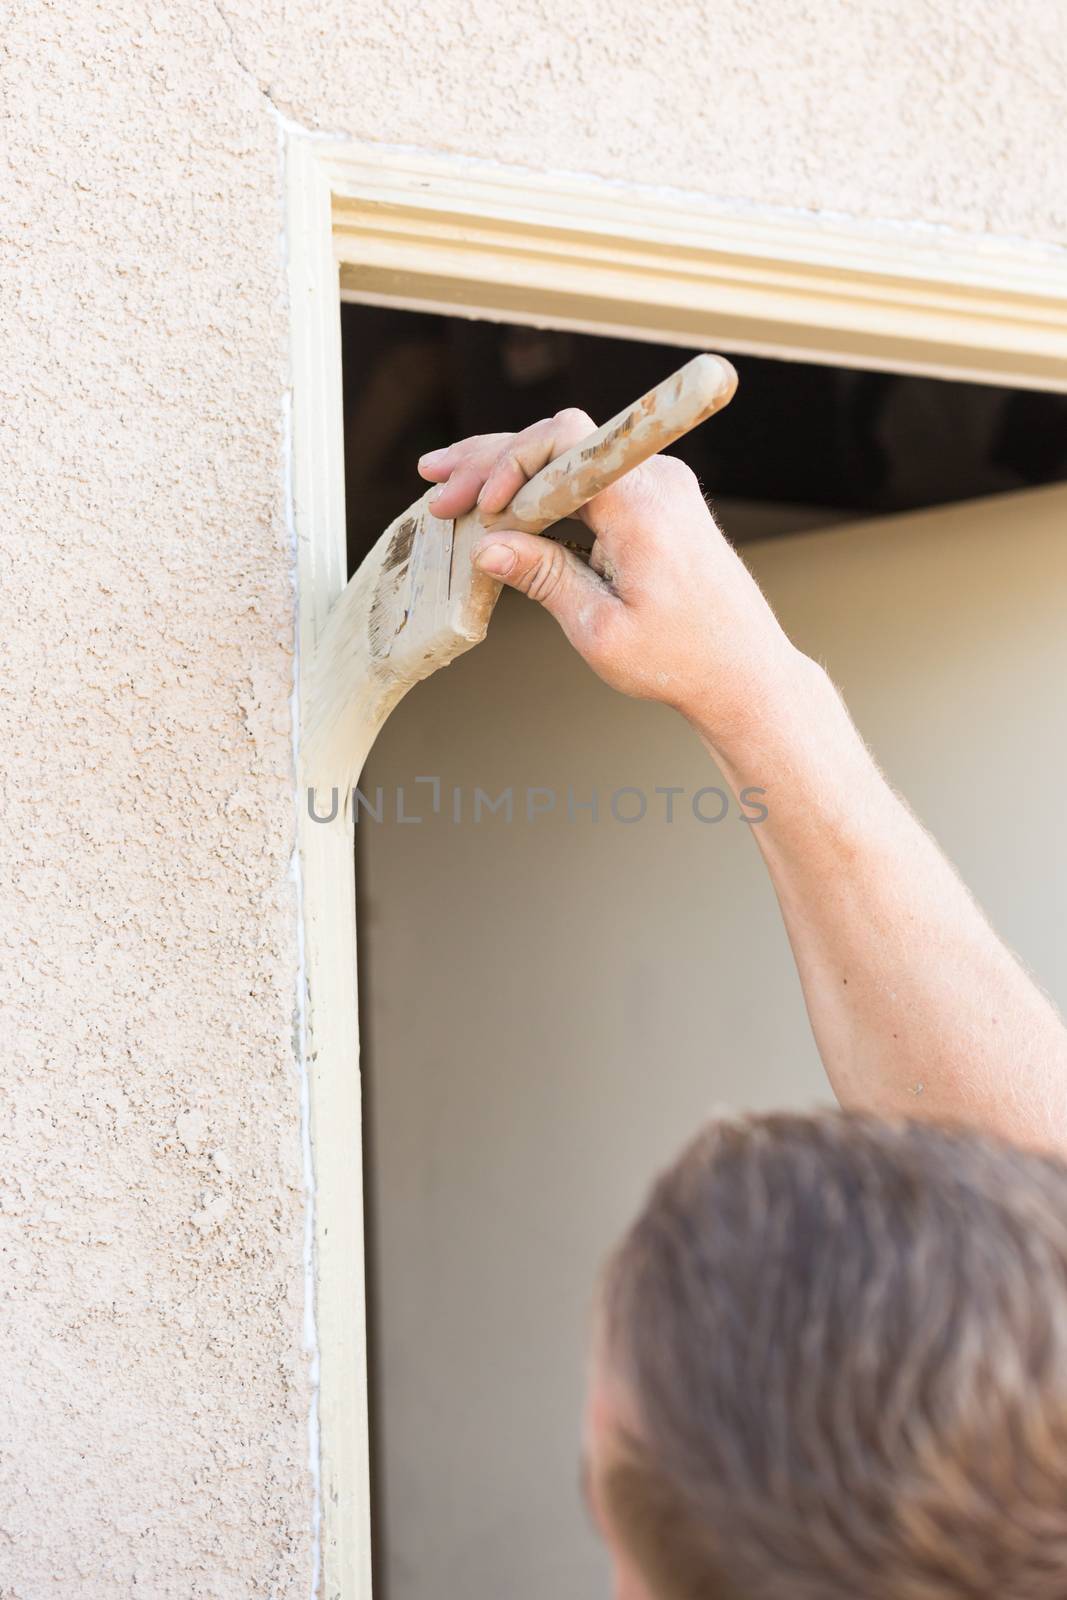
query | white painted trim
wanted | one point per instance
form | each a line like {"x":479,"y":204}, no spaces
{"x":477,"y":238}
{"x":331,"y":1021}
{"x":404,"y":227}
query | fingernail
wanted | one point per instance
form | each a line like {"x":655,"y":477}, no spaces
{"x":481,"y":492}
{"x":435,"y":494}
{"x":495,"y":558}
{"x":430,"y":457}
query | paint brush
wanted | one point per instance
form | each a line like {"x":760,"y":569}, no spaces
{"x":417,"y":602}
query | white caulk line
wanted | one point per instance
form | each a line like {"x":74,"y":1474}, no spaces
{"x":311,"y":1333}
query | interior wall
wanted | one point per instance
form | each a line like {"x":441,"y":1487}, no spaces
{"x":157,"y":1384}
{"x":552,"y":1006}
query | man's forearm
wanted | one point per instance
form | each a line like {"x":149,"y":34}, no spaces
{"x":916,"y":1005}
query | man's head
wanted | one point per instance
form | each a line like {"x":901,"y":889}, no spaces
{"x":831,"y":1363}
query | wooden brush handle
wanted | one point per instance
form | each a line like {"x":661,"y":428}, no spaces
{"x":689,"y":396}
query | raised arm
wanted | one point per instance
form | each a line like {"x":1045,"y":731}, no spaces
{"x":917,"y":1007}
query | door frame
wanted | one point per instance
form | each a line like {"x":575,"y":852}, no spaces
{"x":425,"y":231}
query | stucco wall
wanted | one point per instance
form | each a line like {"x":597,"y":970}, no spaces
{"x":155,"y":1388}
{"x":939,"y":111}
{"x":153,"y":1391}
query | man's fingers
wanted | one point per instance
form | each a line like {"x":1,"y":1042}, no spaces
{"x":437,"y":464}
{"x":460,"y":470}
{"x":457,"y":496}
{"x":489,"y":469}
{"x":551,"y":575}
{"x":529,"y":451}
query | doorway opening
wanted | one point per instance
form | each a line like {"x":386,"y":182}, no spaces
{"x":801,"y":445}
{"x":549,"y":1004}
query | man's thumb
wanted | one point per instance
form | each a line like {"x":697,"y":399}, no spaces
{"x":546,"y":571}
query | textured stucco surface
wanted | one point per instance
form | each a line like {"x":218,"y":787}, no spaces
{"x":940,"y":111}
{"x":154,"y":1398}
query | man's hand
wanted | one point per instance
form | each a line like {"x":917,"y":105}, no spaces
{"x":916,"y":1005}
{"x":682,"y":619}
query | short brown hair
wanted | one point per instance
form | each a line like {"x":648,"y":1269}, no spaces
{"x":845,"y":1343}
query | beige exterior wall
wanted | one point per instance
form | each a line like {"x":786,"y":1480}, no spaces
{"x":587,"y":994}
{"x":157,"y":1384}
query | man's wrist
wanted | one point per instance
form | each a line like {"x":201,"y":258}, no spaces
{"x":775,"y":714}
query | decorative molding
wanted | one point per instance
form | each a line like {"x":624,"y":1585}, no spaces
{"x":476,"y":238}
